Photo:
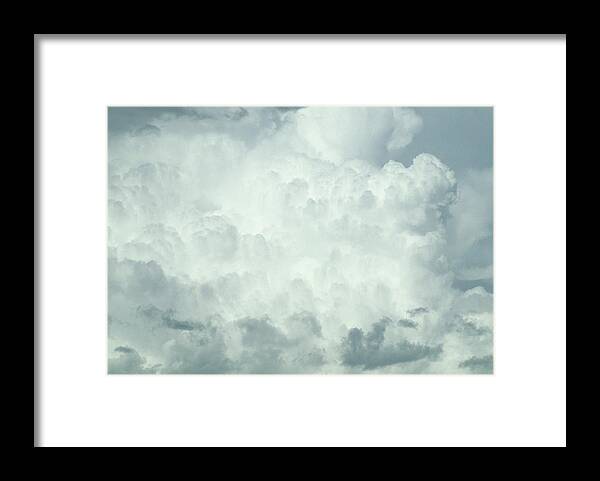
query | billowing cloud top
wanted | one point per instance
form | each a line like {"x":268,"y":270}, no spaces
{"x":289,"y":240}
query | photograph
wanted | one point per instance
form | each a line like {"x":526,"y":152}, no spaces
{"x":346,"y":240}
{"x":300,"y":240}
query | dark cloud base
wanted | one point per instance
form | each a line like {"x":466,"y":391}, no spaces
{"x":200,"y":346}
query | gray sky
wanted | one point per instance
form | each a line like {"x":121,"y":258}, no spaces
{"x":461,"y":136}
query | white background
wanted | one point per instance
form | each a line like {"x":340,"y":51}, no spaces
{"x":522,"y":404}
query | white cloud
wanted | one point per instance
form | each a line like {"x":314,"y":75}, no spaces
{"x":260,"y":240}
{"x":470,"y":226}
{"x":367,"y":133}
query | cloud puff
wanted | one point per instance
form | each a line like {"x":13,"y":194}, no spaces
{"x":481,"y":365}
{"x":369,"y":133}
{"x":286,"y":240}
{"x":470,"y":226}
{"x":371,"y":351}
{"x":128,"y":361}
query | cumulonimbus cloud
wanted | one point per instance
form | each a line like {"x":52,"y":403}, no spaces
{"x":285,"y":240}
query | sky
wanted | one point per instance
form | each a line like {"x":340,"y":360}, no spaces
{"x":300,"y":240}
